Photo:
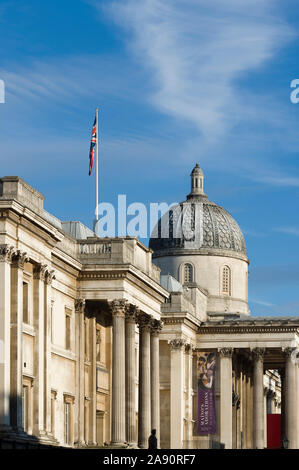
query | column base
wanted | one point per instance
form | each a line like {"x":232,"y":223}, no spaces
{"x":119,"y":445}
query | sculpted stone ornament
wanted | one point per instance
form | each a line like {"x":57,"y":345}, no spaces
{"x":226,"y":352}
{"x":144,"y":321}
{"x":258,"y":353}
{"x":19,"y":259}
{"x":289,"y":352}
{"x":132,"y":312}
{"x":50,"y":276}
{"x":6,"y":253}
{"x":177,"y":343}
{"x":118,"y":307}
{"x":79,"y":305}
{"x":39,"y":271}
{"x":156,"y":327}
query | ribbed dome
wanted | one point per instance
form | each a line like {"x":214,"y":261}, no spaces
{"x":197,"y":224}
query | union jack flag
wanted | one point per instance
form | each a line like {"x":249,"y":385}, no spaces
{"x":93,"y":143}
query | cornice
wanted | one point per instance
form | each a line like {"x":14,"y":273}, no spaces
{"x":206,"y":330}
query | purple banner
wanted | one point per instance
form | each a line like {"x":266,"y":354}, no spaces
{"x":206,"y":412}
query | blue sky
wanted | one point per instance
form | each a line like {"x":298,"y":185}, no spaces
{"x":177,"y":82}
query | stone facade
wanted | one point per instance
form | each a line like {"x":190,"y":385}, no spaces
{"x":97,"y":349}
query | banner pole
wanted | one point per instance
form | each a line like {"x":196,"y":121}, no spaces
{"x":97,"y":165}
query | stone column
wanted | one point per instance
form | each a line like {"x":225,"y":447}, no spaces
{"x":93,"y":383}
{"x":258,"y":398}
{"x":177,"y":393}
{"x":226,"y":396}
{"x":144,"y":389}
{"x":6,"y":253}
{"x":39,"y":272}
{"x":118,"y":308}
{"x":16,"y":340}
{"x":49,"y":277}
{"x":131,"y":432}
{"x":79,"y":310}
{"x":291,"y":402}
{"x":156,"y":327}
{"x":189,"y":409}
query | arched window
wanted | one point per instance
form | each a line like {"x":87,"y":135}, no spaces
{"x":226,"y":280}
{"x":188,"y":273}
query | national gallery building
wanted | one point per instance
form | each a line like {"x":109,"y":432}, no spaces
{"x":103,"y":339}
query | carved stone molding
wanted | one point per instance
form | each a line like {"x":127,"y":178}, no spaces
{"x":132,"y":313}
{"x":156,"y":327}
{"x":189,"y":348}
{"x":79,"y":305}
{"x":39,"y":271}
{"x":118,"y":307}
{"x":144,"y":321}
{"x":19,"y":259}
{"x":226,"y":352}
{"x":50,"y":276}
{"x":177,"y":343}
{"x":258,"y":354}
{"x":289,"y":351}
{"x":6,"y":253}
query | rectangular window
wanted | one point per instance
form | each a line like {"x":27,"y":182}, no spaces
{"x":25,"y":406}
{"x":68,"y":329}
{"x":67,"y":423}
{"x":25,"y":303}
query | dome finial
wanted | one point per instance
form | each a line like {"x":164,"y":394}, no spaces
{"x":197,"y":180}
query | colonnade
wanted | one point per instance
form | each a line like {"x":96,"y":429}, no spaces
{"x":253,"y":395}
{"x":124,"y":319}
{"x":12,"y":263}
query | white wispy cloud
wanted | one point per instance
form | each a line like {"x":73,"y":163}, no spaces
{"x":196,"y":50}
{"x":288,"y":230}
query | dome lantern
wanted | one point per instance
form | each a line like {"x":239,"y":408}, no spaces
{"x":197,"y":180}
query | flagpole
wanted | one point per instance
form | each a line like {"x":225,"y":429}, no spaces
{"x":97,"y":165}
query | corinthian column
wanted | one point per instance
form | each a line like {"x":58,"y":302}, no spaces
{"x":258,"y":398}
{"x":16,"y":340}
{"x":131,"y":434}
{"x":39,"y":273}
{"x":290,"y":401}
{"x":226,"y":417}
{"x":177,"y":392}
{"x":79,"y":309}
{"x":144,"y":404}
{"x":118,"y":309}
{"x":156,"y":327}
{"x":49,"y":277}
{"x":6,"y":253}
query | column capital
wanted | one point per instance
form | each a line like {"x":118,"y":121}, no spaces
{"x":131,"y":313}
{"x":289,"y":352}
{"x":50,"y":276}
{"x":144,"y":321}
{"x":189,"y":348}
{"x":79,"y":305}
{"x":258,"y":353}
{"x":19,"y":259}
{"x":6,"y":253}
{"x":156,"y":327}
{"x":39,"y":271}
{"x":226,"y":352}
{"x":118,"y":307}
{"x":177,"y":343}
